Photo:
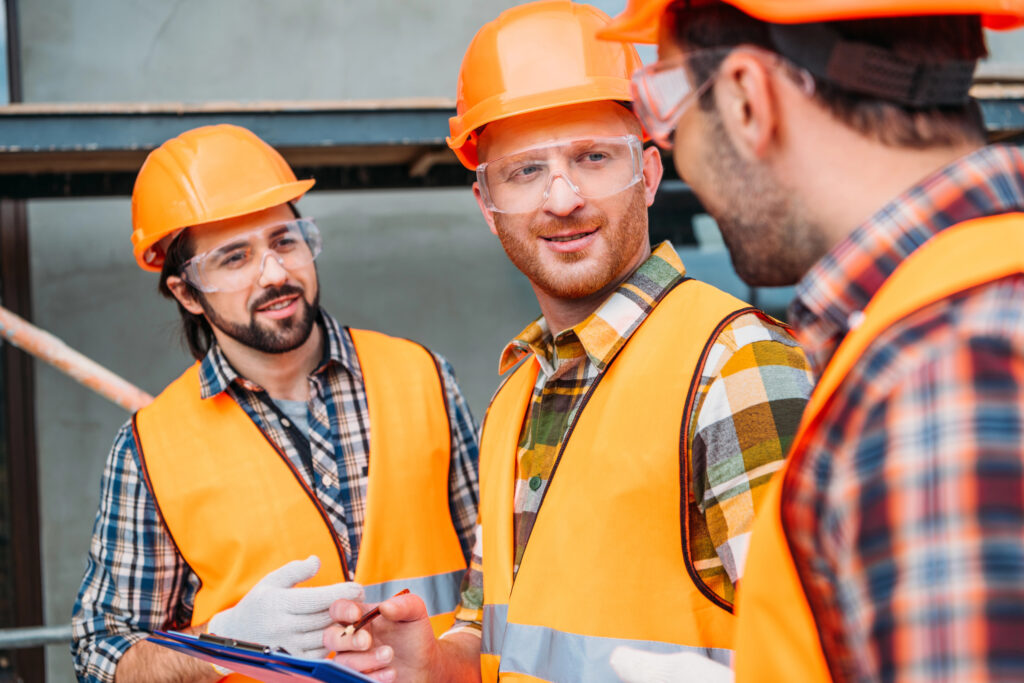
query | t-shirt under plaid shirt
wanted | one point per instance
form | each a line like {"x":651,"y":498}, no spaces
{"x":906,"y":517}
{"x":753,"y":389}
{"x":136,"y":582}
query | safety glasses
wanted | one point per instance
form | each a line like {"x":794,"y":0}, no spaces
{"x":663,"y":91}
{"x":592,"y":167}
{"x":239,"y":261}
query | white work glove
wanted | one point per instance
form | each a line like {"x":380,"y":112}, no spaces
{"x":277,"y":614}
{"x":638,"y":666}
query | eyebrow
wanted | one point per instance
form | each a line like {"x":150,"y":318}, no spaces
{"x":240,"y":243}
{"x":230,"y":246}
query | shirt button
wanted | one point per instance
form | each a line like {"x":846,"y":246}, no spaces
{"x":535,"y":483}
{"x":854,"y":320}
{"x":286,"y":422}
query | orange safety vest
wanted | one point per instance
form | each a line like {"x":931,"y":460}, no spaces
{"x":608,"y":561}
{"x":776,"y":635}
{"x":237,"y":508}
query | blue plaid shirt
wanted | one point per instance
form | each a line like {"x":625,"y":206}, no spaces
{"x":136,"y":582}
{"x":906,"y":517}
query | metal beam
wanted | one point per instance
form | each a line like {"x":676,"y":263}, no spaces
{"x":95,"y":149}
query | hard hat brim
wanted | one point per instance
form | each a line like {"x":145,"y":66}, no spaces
{"x":150,"y":257}
{"x":497,"y":108}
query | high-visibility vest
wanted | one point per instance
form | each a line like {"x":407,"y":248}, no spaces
{"x":776,"y":635}
{"x":608,"y":561}
{"x":237,"y":508}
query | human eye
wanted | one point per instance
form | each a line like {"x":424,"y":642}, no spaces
{"x":595,"y":156}
{"x":285,"y":242}
{"x":236,"y":258}
{"x":524,"y":172}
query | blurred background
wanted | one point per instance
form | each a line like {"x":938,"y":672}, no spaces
{"x":354,"y":93}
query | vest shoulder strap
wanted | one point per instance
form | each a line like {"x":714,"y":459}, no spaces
{"x":958,"y":258}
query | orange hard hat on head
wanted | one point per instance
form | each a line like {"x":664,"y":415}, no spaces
{"x":536,"y":56}
{"x":639,"y":22}
{"x":205,"y":174}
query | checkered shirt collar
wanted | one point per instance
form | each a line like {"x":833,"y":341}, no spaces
{"x":216,"y":372}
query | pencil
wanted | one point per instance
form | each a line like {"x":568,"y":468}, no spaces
{"x":369,"y":616}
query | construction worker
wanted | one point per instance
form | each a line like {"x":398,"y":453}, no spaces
{"x":286,"y":466}
{"x":837,"y":146}
{"x":623,"y":459}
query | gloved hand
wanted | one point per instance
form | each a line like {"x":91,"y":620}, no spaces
{"x":637,"y":666}
{"x":277,"y":614}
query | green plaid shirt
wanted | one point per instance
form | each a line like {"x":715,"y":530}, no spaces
{"x":752,"y":391}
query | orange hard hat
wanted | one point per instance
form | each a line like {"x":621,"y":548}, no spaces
{"x":532,"y":57}
{"x":639,"y":22}
{"x":205,"y":174}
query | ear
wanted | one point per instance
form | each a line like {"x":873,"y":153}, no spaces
{"x":653,"y":171}
{"x":181,"y":293}
{"x":488,"y":214}
{"x":747,"y":103}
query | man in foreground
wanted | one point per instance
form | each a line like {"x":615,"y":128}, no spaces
{"x":838,"y":148}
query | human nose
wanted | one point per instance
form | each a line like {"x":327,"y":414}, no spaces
{"x":561,"y":198}
{"x":272,"y":273}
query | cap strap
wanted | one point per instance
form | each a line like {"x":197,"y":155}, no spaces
{"x":873,"y":70}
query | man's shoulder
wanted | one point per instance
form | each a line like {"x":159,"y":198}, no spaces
{"x":983,"y":321}
{"x":753,"y":339}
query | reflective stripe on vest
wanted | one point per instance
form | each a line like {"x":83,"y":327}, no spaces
{"x":439,"y":592}
{"x":777,"y":637}
{"x":237,"y":509}
{"x":552,"y":655}
{"x":606,"y":563}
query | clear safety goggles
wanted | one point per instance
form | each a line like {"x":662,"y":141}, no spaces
{"x":592,"y":167}
{"x":240,"y":261}
{"x":663,"y":91}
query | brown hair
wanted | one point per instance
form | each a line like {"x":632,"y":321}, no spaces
{"x":938,"y":38}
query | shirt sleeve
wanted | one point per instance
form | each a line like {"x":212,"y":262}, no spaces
{"x":135,"y":582}
{"x":927,"y":541}
{"x":469,"y":615}
{"x":463,"y":485}
{"x":752,"y":392}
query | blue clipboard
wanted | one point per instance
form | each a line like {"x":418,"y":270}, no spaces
{"x":262,"y":664}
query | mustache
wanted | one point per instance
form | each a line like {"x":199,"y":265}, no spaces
{"x":275,"y":293}
{"x":572,"y":223}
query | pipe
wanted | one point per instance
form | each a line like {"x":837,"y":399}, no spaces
{"x":34,"y":636}
{"x":49,"y":348}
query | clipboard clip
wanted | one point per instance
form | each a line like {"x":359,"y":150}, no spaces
{"x":242,"y":644}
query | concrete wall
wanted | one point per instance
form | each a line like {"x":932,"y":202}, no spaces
{"x":418,"y":264}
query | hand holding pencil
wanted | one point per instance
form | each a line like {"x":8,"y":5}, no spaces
{"x":391,"y":641}
{"x":368,"y":617}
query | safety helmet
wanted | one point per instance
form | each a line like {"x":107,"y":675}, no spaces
{"x":536,"y":56}
{"x":639,"y":22}
{"x":205,"y":174}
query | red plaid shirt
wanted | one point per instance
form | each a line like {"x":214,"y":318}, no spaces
{"x":907,"y":516}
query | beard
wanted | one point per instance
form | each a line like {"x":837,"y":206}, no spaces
{"x":279,"y":337}
{"x":577,"y":275}
{"x":770,"y":242}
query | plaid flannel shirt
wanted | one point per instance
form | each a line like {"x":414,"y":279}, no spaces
{"x":136,"y":582}
{"x":907,"y":517}
{"x":752,"y":391}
